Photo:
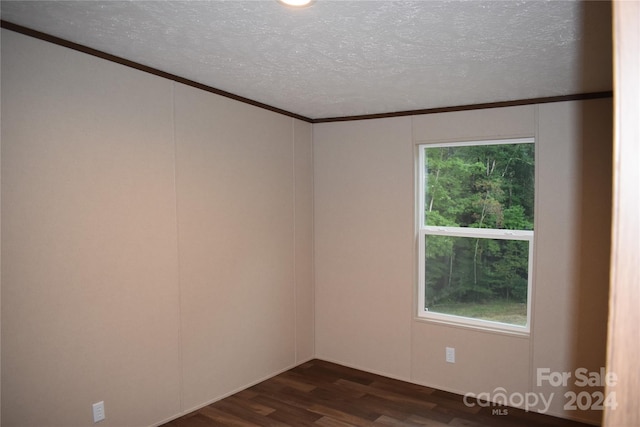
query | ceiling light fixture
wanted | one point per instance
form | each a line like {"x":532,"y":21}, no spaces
{"x":296,"y":3}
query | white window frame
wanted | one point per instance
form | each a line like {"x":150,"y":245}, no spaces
{"x":485,"y":233}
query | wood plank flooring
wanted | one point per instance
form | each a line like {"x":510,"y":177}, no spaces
{"x":319,"y":393}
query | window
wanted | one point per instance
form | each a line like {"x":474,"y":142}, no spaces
{"x":475,"y":235}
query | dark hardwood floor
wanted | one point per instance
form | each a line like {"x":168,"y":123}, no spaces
{"x":319,"y":393}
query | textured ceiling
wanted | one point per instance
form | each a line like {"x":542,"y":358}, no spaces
{"x":345,"y":58}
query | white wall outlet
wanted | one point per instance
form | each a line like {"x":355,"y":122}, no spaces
{"x":450,"y":354}
{"x":98,"y":411}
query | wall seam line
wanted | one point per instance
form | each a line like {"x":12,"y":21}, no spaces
{"x":414,"y":264}
{"x":175,"y":189}
{"x":295,"y":235}
{"x":536,"y":210}
{"x":313,"y":242}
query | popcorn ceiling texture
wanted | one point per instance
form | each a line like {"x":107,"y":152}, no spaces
{"x":344,"y":58}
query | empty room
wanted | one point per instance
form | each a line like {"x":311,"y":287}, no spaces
{"x":341,"y":213}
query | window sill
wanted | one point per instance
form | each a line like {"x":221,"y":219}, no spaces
{"x":484,"y":327}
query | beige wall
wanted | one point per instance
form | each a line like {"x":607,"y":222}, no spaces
{"x":570,"y":326}
{"x":156,"y":241}
{"x":363,"y":174}
{"x":235,"y":243}
{"x":365,"y":250}
{"x":304,"y":263}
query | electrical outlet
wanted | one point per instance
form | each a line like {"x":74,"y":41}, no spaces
{"x":98,"y":411}
{"x":450,"y":354}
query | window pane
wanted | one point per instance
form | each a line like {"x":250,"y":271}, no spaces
{"x":477,"y":278}
{"x":480,"y":186}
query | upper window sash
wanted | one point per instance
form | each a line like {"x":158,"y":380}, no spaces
{"x":421,"y":159}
